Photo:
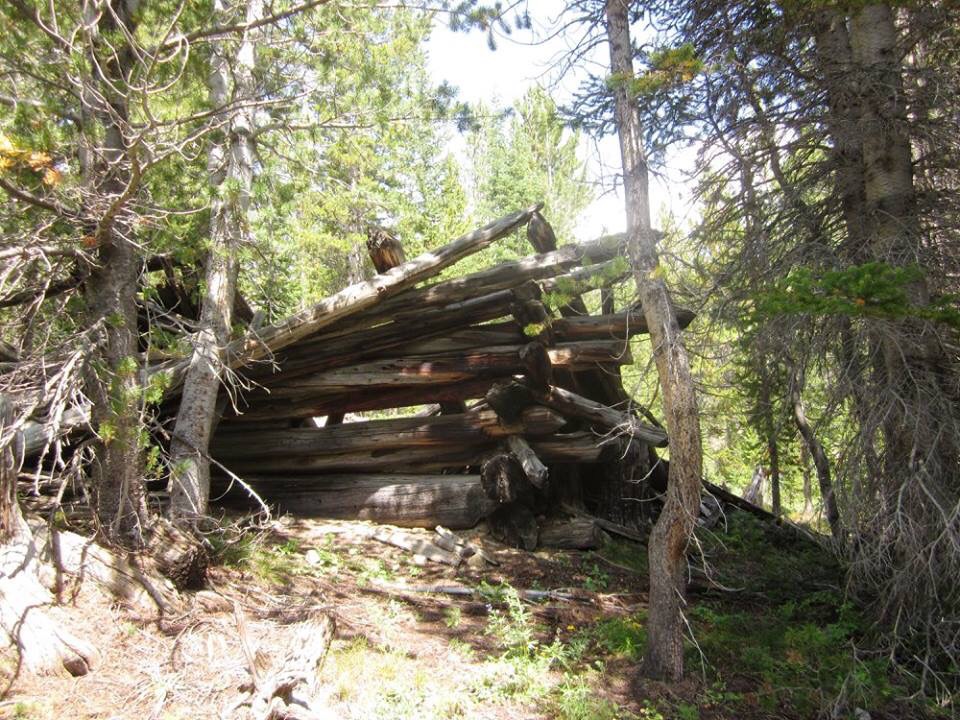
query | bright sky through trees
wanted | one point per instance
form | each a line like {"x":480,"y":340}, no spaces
{"x":527,"y":58}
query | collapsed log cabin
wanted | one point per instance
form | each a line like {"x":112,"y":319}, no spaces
{"x":496,"y":395}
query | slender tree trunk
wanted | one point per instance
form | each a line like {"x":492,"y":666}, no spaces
{"x":672,"y":532}
{"x":231,"y":177}
{"x":113,"y":373}
{"x":807,"y":486}
{"x":770,"y":433}
{"x":820,"y":460}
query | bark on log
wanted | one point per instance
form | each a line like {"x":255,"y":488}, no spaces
{"x":513,"y":524}
{"x":569,"y":403}
{"x":386,"y":251}
{"x":577,"y":533}
{"x":454,"y":501}
{"x":534,"y":469}
{"x":504,"y":480}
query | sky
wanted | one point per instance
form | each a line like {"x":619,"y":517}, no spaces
{"x":523,"y":60}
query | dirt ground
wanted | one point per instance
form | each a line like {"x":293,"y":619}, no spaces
{"x":398,"y":652}
{"x":170,"y":667}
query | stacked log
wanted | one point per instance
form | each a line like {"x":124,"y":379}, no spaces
{"x":525,"y":378}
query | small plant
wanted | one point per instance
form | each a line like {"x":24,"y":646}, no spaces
{"x":452,"y":617}
{"x":597,"y":580}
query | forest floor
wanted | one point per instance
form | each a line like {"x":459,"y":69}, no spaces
{"x":770,"y":635}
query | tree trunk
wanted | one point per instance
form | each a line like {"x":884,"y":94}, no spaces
{"x":231,"y":176}
{"x":671,"y":534}
{"x":820,"y":460}
{"x":807,"y":486}
{"x":770,"y":431}
{"x":920,"y":439}
{"x":112,"y":378}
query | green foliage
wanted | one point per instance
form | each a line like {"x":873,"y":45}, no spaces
{"x":667,"y":69}
{"x":873,"y":289}
{"x":620,"y":636}
{"x":522,"y":156}
{"x":597,"y":579}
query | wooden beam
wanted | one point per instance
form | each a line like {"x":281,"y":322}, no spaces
{"x":466,"y":428}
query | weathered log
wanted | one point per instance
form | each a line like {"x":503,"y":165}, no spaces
{"x":356,"y":345}
{"x":357,"y":400}
{"x":422,"y":550}
{"x":504,"y":276}
{"x":467,"y":428}
{"x":513,"y":524}
{"x":534,"y":469}
{"x":454,"y":501}
{"x":386,"y":251}
{"x":569,"y":403}
{"x":537,"y":365}
{"x":492,"y":362}
{"x":420,"y":457}
{"x":503,"y":480}
{"x":574,"y":447}
{"x":37,"y":435}
{"x":509,"y":399}
{"x":619,"y":326}
{"x":576,"y":533}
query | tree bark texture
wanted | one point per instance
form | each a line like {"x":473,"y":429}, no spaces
{"x":671,"y":534}
{"x":230,"y":166}
{"x":112,"y":377}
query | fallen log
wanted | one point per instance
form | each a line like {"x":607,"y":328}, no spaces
{"x":454,"y":501}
